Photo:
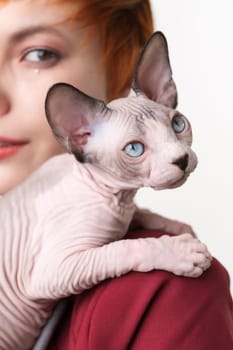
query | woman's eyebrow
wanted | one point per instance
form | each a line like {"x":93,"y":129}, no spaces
{"x":33,"y":30}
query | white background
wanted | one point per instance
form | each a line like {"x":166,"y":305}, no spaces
{"x":200,"y":39}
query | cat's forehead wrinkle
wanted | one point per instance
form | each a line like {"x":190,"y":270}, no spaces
{"x":140,"y":107}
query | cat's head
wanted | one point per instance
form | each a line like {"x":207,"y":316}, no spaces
{"x":139,"y":140}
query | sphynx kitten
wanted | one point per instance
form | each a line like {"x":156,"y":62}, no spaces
{"x":62,"y":230}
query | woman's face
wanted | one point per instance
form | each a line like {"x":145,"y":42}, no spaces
{"x":38,"y":49}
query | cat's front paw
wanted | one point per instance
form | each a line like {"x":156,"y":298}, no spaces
{"x":184,"y":255}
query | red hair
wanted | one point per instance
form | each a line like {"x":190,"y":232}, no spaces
{"x":123,"y":27}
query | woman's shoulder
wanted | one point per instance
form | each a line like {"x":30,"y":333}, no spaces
{"x":55,"y":168}
{"x":45,"y":179}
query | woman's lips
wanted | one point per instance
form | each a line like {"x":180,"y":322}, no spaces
{"x":8,"y":147}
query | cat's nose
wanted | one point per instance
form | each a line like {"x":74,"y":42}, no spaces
{"x":182,"y":162}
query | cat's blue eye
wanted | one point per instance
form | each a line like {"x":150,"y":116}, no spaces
{"x":178,"y":124}
{"x":134,"y":149}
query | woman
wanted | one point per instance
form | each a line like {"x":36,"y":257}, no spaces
{"x":93,"y":45}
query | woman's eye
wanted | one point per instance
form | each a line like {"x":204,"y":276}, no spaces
{"x":134,"y":149}
{"x":40,"y":55}
{"x":178,"y":124}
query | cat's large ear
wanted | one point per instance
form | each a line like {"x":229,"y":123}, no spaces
{"x":153,"y":74}
{"x":71,"y":115}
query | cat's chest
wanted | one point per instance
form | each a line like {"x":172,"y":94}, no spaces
{"x":49,"y":206}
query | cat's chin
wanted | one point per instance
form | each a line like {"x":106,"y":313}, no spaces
{"x":179,"y":183}
{"x":175,"y":184}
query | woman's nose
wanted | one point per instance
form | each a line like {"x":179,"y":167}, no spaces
{"x":4,"y":105}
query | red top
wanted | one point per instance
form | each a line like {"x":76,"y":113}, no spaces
{"x":154,"y":310}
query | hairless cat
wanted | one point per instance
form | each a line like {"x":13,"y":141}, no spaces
{"x":62,"y":229}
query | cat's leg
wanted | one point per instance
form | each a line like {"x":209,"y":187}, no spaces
{"x":58,"y":274}
{"x":144,"y":218}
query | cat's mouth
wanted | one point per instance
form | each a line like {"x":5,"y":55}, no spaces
{"x":172,"y":184}
{"x":179,"y":182}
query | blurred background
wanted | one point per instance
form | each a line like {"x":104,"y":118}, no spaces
{"x":200,"y":40}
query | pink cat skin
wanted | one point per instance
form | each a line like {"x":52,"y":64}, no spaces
{"x":62,"y":230}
